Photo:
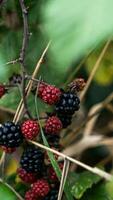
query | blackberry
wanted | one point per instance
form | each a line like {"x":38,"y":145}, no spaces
{"x":10,"y":135}
{"x":53,"y":140}
{"x":65,"y":119}
{"x":15,"y":79}
{"x":32,"y":160}
{"x":68,"y":103}
{"x":53,"y":125}
{"x":53,"y":195}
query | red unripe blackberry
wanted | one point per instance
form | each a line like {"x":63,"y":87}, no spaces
{"x":25,"y":176}
{"x":30,"y":129}
{"x":32,"y":160}
{"x":40,"y":188}
{"x":68,"y":104}
{"x":53,"y":125}
{"x":2,"y":90}
{"x":53,"y":195}
{"x":10,"y":135}
{"x":30,"y":195}
{"x":8,"y":149}
{"x":41,"y":88}
{"x":52,"y":174}
{"x":51,"y":94}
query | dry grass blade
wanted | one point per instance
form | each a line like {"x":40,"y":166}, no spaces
{"x":2,"y":158}
{"x":94,"y":170}
{"x":63,"y":178}
{"x":29,"y":86}
{"x":96,"y":66}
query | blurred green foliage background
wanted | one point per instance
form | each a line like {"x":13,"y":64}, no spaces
{"x":75,"y":28}
{"x":74,"y":34}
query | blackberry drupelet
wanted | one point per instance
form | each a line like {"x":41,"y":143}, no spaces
{"x":10,"y":135}
{"x":68,"y":103}
{"x":15,"y":79}
{"x":65,"y":119}
{"x":32,"y":160}
{"x":53,"y":195}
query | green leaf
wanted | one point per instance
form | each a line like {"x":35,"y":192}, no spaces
{"x":97,"y":193}
{"x":6,"y":193}
{"x":76,"y":27}
{"x":82,"y":182}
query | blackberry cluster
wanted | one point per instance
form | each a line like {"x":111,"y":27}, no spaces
{"x":35,"y":166}
{"x":53,"y":195}
{"x":32,"y":160}
{"x":66,"y":106}
{"x":15,"y":79}
{"x":10,"y":135}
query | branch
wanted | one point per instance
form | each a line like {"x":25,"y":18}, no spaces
{"x":23,"y":52}
{"x":29,"y":86}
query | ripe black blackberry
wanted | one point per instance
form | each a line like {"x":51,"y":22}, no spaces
{"x":15,"y":79}
{"x":68,"y":103}
{"x":32,"y":160}
{"x":10,"y":135}
{"x":53,"y":140}
{"x":65,"y":119}
{"x":53,"y":195}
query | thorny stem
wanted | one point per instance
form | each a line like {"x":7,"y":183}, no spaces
{"x":29,"y":86}
{"x":23,"y":53}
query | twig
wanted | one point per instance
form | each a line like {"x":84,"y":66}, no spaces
{"x":23,"y":52}
{"x":29,"y":86}
{"x":97,"y":64}
{"x":94,"y":170}
{"x":63,"y":178}
{"x":12,"y":62}
{"x":2,"y":158}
